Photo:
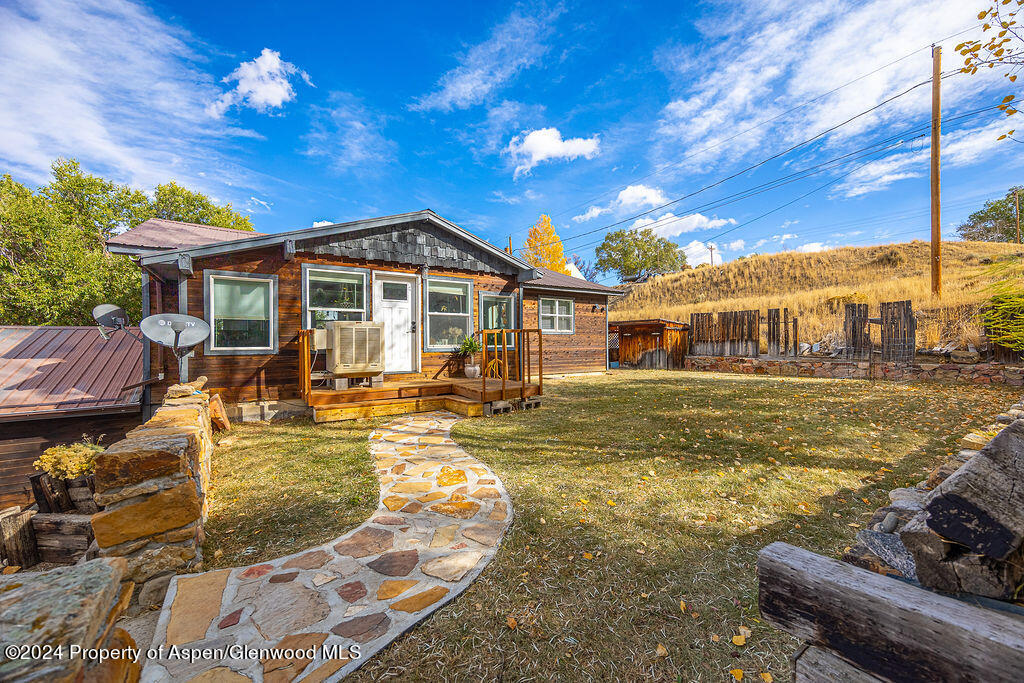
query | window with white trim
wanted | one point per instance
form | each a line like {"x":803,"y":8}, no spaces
{"x":557,"y":316}
{"x":241,"y":313}
{"x":497,"y":312}
{"x":449,"y":313}
{"x":334,"y":295}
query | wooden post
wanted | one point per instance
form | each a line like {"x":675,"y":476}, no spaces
{"x":483,"y":369}
{"x":785,"y":331}
{"x":936,"y":201}
{"x":504,"y":361}
{"x":796,"y":339}
{"x":17,"y":538}
{"x":526,"y":351}
{"x":540,"y":363}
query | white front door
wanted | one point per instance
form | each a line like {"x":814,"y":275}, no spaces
{"x":394,"y":305}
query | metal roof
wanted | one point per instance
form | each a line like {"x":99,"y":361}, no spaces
{"x":552,"y":279}
{"x":159,"y":234}
{"x":66,"y":371}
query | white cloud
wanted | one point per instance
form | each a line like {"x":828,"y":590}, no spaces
{"x":636,"y":196}
{"x":257,"y":205}
{"x":320,"y":224}
{"x":348,"y":135}
{"x":630,"y":198}
{"x":591,"y":213}
{"x":263,"y":83}
{"x":784,"y":237}
{"x":515,"y":44}
{"x":529,"y":149}
{"x":502,"y":119}
{"x":813,"y":246}
{"x":697,"y":252}
{"x":772,"y":57}
{"x":735,"y":245}
{"x":111,"y":84}
{"x":669,"y":225}
{"x":501,"y":197}
{"x":959,"y":148}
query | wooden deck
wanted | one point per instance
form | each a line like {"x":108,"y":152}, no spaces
{"x":459,"y":395}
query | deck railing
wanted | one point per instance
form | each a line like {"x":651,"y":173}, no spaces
{"x":305,"y":365}
{"x":521,"y":368}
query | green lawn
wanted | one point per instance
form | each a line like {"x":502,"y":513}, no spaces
{"x":279,"y":487}
{"x":637,"y":491}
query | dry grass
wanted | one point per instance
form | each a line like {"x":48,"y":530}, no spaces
{"x":703,"y":470}
{"x":815,"y":287}
{"x":279,"y":487}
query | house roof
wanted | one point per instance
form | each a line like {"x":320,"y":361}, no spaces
{"x":66,"y":371}
{"x":552,"y":279}
{"x":646,"y":321}
{"x":257,"y":240}
{"x":159,"y":234}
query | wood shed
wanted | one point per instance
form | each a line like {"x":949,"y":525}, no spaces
{"x":58,"y":385}
{"x":652,"y":343}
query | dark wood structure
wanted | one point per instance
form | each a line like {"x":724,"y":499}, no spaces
{"x":58,"y":385}
{"x":450,"y":283}
{"x":655,"y":343}
{"x":734,"y":333}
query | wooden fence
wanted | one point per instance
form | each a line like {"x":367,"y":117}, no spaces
{"x":780,"y":341}
{"x":733,"y":333}
{"x":897,"y":331}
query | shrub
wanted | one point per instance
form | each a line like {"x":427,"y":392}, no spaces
{"x":69,"y":461}
{"x":890,"y":258}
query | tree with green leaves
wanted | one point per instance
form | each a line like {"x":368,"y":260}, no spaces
{"x":996,"y":221}
{"x":637,"y":254}
{"x":53,"y":265}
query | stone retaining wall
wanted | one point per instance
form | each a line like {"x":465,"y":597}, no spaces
{"x":977,"y":373}
{"x":153,"y":485}
{"x":67,"y":607}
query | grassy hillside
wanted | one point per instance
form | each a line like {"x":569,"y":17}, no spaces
{"x":815,"y":287}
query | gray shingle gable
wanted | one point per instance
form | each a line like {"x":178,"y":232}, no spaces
{"x":420,"y":243}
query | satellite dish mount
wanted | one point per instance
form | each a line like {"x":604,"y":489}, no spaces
{"x":180,"y":333}
{"x":110,"y":318}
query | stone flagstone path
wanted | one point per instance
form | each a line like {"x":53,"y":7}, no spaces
{"x":441,"y":517}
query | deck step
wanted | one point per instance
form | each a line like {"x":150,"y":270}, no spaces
{"x":356,"y":410}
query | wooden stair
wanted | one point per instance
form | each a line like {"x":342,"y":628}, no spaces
{"x":379,"y":407}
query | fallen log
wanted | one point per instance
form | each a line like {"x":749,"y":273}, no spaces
{"x":951,"y":567}
{"x":981,"y":505}
{"x":883,"y":626}
{"x":814,"y":665}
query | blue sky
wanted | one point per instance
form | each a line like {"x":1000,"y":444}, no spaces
{"x":492,"y":114}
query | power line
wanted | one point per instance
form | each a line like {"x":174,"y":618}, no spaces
{"x":784,"y":180}
{"x":761,"y":123}
{"x":757,"y":164}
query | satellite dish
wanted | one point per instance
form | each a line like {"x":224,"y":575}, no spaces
{"x":109,"y":318}
{"x":175,"y":330}
{"x":109,"y":315}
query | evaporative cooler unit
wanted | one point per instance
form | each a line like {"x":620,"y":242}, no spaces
{"x":355,"y":351}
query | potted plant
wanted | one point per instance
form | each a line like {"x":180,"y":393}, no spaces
{"x":468,"y":349}
{"x":70,"y":469}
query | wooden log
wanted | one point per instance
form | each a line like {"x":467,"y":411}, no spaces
{"x":61,"y":499}
{"x":17,"y":538}
{"x":884,"y":626}
{"x":41,"y":492}
{"x":814,"y":665}
{"x":953,"y":568}
{"x":218,"y":415}
{"x":981,"y":505}
{"x":52,"y":523}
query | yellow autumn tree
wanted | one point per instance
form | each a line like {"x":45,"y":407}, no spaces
{"x":543,"y":246}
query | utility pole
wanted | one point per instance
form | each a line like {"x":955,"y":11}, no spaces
{"x":936,"y":201}
{"x":711,"y":250}
{"x":510,"y":244}
{"x":1016,"y":200}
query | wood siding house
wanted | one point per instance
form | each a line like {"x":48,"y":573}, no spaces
{"x":429,"y":281}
